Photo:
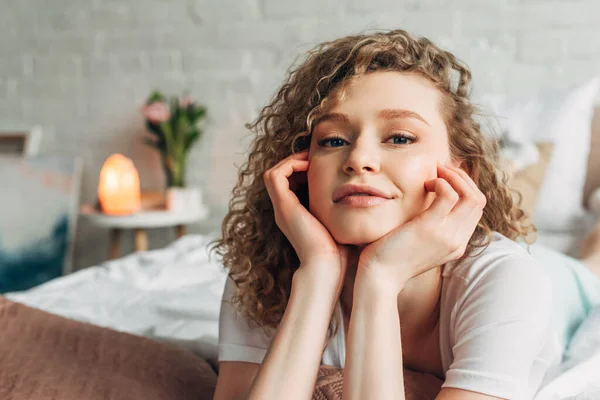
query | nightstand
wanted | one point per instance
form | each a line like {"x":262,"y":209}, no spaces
{"x":139,"y":222}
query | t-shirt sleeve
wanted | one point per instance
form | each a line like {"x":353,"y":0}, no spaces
{"x":237,"y":340}
{"x":500,"y":328}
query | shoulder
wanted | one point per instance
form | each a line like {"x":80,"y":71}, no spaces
{"x":235,"y":313}
{"x":503,"y":281}
{"x":239,"y":340}
{"x":496,"y":320}
{"x":503,"y":260}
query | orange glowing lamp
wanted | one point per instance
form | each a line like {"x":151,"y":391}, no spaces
{"x":119,"y":186}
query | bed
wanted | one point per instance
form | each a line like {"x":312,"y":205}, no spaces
{"x":172,"y":296}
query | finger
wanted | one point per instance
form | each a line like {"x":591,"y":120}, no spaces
{"x":298,"y":178}
{"x":456,"y":181}
{"x":466,"y":177}
{"x":467,"y":197}
{"x":301,"y":154}
{"x":445,"y":200}
{"x":277,"y":182}
{"x":280,"y":175}
{"x":296,"y":156}
{"x":474,"y":198}
{"x":482,"y":200}
{"x":464,"y":220}
{"x":464,"y":228}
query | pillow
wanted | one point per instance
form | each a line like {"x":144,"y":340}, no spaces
{"x":592,"y":179}
{"x":528,"y":181}
{"x":46,"y":357}
{"x":564,"y":119}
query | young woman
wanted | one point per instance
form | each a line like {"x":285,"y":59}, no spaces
{"x":371,"y":229}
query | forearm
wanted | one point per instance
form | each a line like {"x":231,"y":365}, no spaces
{"x":374,"y":350}
{"x":289,"y":369}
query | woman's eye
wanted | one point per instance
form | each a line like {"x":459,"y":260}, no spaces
{"x":402,"y":139}
{"x":332,"y":142}
{"x":339,"y":142}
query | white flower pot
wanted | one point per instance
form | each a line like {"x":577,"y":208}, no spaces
{"x":187,"y":199}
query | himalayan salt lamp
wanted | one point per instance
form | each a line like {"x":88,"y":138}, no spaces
{"x":119,"y":186}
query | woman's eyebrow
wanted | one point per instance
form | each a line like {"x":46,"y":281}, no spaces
{"x":389,"y":113}
{"x":335,"y":117}
{"x":393,"y":113}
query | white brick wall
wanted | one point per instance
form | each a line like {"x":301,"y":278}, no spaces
{"x":82,"y":68}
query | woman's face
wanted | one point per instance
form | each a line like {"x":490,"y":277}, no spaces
{"x":388,"y":134}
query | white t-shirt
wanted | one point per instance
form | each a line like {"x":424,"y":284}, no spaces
{"x":496,"y":333}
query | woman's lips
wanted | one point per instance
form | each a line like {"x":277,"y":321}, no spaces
{"x":361,"y":201}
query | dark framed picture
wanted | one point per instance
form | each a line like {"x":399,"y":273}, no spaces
{"x":20,"y":140}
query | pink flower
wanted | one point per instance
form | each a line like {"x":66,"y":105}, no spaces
{"x":156,"y":112}
{"x":186,"y":101}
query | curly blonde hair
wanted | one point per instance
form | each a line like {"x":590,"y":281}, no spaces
{"x":259,"y":257}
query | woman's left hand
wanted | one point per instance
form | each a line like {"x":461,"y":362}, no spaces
{"x":438,"y":235}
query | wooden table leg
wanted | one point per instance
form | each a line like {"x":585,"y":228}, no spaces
{"x":141,"y":240}
{"x":180,"y":229}
{"x":115,"y":243}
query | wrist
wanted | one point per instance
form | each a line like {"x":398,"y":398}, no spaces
{"x":378,"y":283}
{"x":372,"y":296}
{"x":318,"y":275}
{"x":311,"y":292}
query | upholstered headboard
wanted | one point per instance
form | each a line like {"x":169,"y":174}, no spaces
{"x":593,"y":169}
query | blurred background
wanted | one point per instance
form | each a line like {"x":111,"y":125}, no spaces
{"x":81,"y":70}
{"x":122,"y":127}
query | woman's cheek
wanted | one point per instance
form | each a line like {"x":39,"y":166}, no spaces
{"x":414,"y":173}
{"x":415,"y":170}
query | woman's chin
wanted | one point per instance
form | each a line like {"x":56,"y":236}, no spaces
{"x":348,"y":237}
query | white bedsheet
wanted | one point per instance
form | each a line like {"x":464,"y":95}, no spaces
{"x":579,"y":377}
{"x":174,"y":295}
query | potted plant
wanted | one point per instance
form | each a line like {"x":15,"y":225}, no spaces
{"x":174,"y":126}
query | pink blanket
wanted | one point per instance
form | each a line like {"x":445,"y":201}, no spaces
{"x":47,"y":357}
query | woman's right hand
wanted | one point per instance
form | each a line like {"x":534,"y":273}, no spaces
{"x":312,"y":242}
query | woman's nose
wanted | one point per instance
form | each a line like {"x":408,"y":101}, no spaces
{"x":362,"y":158}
